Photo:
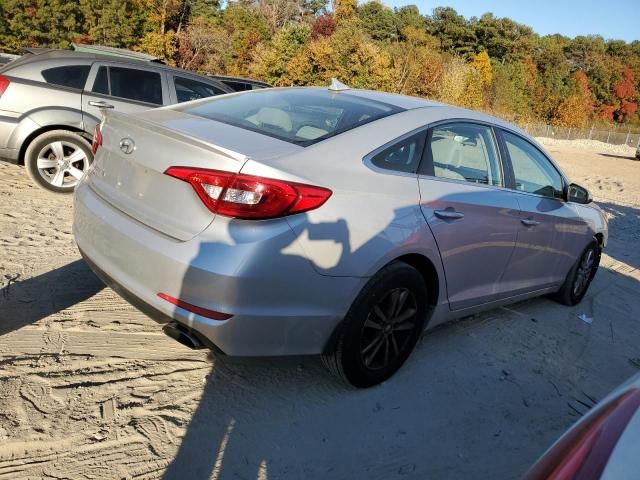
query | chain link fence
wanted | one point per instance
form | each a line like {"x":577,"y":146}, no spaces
{"x":614,"y":136}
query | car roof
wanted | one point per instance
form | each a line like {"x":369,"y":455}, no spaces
{"x":238,"y":79}
{"x":54,"y":54}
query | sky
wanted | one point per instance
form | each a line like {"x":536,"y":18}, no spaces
{"x":616,"y":19}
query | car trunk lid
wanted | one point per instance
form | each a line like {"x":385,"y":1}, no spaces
{"x":129,"y":167}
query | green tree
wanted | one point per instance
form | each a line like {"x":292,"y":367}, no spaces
{"x":246,"y":28}
{"x":409,"y":16}
{"x":271,"y":64}
{"x":503,"y":38}
{"x":453,"y":31}
{"x":40,"y":23}
{"x":511,"y":92}
{"x":115,"y":23}
{"x":378,"y":21}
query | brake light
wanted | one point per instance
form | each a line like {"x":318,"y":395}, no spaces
{"x":4,"y":84}
{"x":245,"y":196}
{"x":587,"y":453}
{"x":97,"y":139}
{"x":205,"y":312}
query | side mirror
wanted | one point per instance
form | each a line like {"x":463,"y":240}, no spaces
{"x":578,"y":194}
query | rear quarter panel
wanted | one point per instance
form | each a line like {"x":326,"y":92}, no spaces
{"x":28,"y":105}
{"x":372,"y":217}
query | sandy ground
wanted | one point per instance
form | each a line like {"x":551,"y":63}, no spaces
{"x":90,"y":388}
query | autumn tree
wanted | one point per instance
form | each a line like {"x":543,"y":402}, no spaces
{"x":347,"y":55}
{"x":626,"y":95}
{"x":344,"y":9}
{"x":461,"y":85}
{"x":202,"y":46}
{"x":323,"y":26}
{"x":417,"y":63}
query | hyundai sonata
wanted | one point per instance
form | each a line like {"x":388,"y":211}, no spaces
{"x":330,"y":221}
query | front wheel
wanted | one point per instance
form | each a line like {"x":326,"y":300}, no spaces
{"x":57,"y":160}
{"x":381,"y":328}
{"x":580,"y":276}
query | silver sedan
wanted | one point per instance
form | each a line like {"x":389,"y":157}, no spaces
{"x":330,"y":221}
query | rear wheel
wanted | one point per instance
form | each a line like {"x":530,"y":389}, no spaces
{"x":580,"y":276}
{"x":57,"y":160}
{"x":381,"y":328}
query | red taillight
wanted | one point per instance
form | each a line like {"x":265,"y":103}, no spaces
{"x":587,"y":453}
{"x":244,"y":196}
{"x":4,"y":84}
{"x":205,"y":312}
{"x":97,"y":139}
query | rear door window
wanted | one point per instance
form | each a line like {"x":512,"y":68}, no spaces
{"x":466,"y":152}
{"x":403,"y":156}
{"x":188,"y":89}
{"x":130,"y":83}
{"x":101,"y":83}
{"x":72,"y":76}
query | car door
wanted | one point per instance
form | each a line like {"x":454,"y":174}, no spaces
{"x":123,"y":87}
{"x":550,"y":234}
{"x":473,"y":217}
{"x":184,"y":88}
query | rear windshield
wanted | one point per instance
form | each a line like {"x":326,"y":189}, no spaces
{"x":300,"y":116}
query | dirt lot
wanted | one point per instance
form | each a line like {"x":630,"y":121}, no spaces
{"x":90,"y":388}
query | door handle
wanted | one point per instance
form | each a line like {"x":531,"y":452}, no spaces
{"x":448,"y":214}
{"x":529,"y":222}
{"x":100,"y":104}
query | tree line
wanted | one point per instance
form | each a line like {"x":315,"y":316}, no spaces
{"x":488,"y":63}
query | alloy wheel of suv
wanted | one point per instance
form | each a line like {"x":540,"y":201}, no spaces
{"x":58,"y":159}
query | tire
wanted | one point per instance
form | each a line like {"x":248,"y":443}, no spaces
{"x":354,"y":355}
{"x":580,"y":276}
{"x":56,"y":160}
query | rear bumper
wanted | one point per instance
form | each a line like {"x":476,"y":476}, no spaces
{"x":280,"y":305}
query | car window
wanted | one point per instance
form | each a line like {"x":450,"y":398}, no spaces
{"x":403,"y":156}
{"x":533,"y":172}
{"x":242,"y":86}
{"x":296,"y":115}
{"x":101,"y":83}
{"x":464,"y":151}
{"x":73,"y":76}
{"x":130,"y":83}
{"x":188,"y":89}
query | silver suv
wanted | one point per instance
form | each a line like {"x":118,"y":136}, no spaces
{"x":50,"y":103}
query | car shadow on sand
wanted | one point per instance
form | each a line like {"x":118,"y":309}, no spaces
{"x":621,"y":157}
{"x":623,"y":233}
{"x":23,"y":302}
{"x":509,"y":380}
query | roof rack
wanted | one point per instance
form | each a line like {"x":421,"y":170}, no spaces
{"x":38,"y":50}
{"x":113,"y":51}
